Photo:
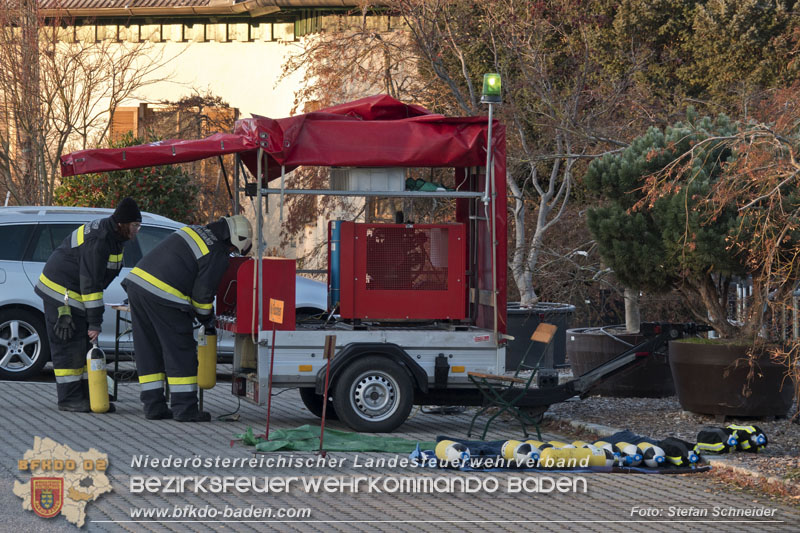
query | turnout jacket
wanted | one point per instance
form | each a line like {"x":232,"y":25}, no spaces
{"x":83,"y":266}
{"x":185,"y":269}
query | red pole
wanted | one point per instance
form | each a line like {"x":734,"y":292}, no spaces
{"x":324,"y":407}
{"x":330,"y":347}
{"x":269,"y":386}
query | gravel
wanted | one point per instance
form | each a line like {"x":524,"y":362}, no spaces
{"x":663,"y":417}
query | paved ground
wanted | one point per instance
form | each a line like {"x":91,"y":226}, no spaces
{"x":605,"y":506}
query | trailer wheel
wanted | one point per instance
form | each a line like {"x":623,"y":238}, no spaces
{"x":373,"y":394}
{"x":313,"y":403}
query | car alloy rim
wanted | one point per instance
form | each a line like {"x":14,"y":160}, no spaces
{"x":20,"y":346}
{"x":374,"y":395}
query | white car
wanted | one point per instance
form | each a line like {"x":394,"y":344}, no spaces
{"x":28,"y":235}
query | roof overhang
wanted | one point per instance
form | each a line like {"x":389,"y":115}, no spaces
{"x":254,"y":8}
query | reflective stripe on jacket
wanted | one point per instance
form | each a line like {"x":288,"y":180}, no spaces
{"x":82,"y":266}
{"x":185,"y":269}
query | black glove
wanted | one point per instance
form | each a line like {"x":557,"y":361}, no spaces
{"x":64,"y":327}
{"x":210,"y":325}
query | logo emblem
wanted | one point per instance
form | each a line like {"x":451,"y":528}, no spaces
{"x":47,"y":495}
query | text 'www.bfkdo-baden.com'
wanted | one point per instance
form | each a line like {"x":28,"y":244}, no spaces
{"x":208,"y":512}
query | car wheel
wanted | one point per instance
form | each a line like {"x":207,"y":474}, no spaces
{"x":373,"y":394}
{"x":24,"y":349}
{"x":313,"y":403}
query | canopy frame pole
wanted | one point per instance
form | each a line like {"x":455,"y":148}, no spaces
{"x":493,"y":225}
{"x":236,"y":162}
{"x":225,"y":175}
{"x":487,"y":185}
{"x":261,"y":171}
{"x":283,"y":188}
{"x":490,"y":195}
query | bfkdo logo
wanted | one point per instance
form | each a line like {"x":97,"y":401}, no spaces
{"x":63,"y":481}
{"x":47,"y":495}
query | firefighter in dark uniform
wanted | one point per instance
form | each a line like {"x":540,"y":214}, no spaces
{"x":171,"y":286}
{"x":71,"y":287}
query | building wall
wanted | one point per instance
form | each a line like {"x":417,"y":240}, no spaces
{"x":239,"y":62}
{"x":244,"y":75}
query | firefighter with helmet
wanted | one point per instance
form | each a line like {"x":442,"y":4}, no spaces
{"x":171,"y":286}
{"x":71,"y":286}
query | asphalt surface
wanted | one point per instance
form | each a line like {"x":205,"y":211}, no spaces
{"x":607,"y":505}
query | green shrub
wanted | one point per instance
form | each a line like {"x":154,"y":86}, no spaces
{"x":165,"y":190}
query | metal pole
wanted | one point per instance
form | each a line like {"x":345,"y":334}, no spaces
{"x":330,"y":347}
{"x":283,"y":175}
{"x":494,"y":256}
{"x":269,"y":385}
{"x":236,"y":163}
{"x":486,"y":194}
{"x":261,"y":171}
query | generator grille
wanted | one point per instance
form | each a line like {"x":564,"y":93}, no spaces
{"x":406,"y":259}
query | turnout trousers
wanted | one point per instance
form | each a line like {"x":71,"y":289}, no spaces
{"x":165,"y":351}
{"x":69,"y":359}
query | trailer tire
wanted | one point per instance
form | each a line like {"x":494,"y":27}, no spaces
{"x":313,"y":403}
{"x":373,"y":394}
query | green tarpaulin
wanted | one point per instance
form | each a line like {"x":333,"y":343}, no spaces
{"x":306,"y":439}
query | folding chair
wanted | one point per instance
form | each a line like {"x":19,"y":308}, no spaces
{"x":505,"y":392}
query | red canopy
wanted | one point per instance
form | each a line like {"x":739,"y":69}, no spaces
{"x":377,"y":131}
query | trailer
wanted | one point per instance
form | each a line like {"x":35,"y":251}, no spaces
{"x":414,"y":307}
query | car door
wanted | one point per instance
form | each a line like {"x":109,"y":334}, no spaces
{"x":23,"y":342}
{"x":13,"y":279}
{"x":46,"y":238}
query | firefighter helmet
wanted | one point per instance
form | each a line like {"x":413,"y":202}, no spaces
{"x":241,"y":233}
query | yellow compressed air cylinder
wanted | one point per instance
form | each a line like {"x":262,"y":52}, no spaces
{"x":537,"y":447}
{"x":571,"y":458}
{"x":519,"y":452}
{"x":630,"y":453}
{"x":559,"y":444}
{"x":98,"y":384}
{"x":206,"y":361}
{"x":451,"y":452}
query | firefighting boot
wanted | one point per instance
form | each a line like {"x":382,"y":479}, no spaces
{"x":155,"y":405}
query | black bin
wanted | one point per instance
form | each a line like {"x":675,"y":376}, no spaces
{"x":522,"y":322}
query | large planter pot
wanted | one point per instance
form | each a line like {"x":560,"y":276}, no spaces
{"x":588,"y":348}
{"x":702,"y":385}
{"x":522,"y":322}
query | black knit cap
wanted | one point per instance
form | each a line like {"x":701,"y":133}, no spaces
{"x":127,"y":211}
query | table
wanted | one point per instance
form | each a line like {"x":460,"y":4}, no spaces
{"x":119,"y":308}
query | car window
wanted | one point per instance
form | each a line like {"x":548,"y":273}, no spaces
{"x":146,"y":240}
{"x":15,"y":239}
{"x":47,"y":238}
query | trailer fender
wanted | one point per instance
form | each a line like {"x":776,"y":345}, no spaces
{"x":358,"y":349}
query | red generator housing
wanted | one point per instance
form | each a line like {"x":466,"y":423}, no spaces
{"x":237,"y":292}
{"x":402,"y":271}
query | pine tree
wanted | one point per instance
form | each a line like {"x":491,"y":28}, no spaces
{"x":676,"y":240}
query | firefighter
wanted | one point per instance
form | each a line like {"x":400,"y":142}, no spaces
{"x":71,"y":287}
{"x":170,"y":287}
